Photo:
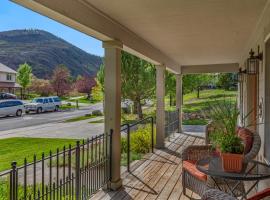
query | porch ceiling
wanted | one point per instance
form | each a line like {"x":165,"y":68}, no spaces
{"x":192,"y":32}
{"x":174,"y":33}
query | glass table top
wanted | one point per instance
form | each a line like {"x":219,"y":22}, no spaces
{"x":253,"y":170}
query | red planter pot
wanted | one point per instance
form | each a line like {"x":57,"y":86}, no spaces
{"x":232,"y":162}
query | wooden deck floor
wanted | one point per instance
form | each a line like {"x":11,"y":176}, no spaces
{"x":157,"y":176}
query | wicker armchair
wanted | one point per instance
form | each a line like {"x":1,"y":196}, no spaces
{"x":197,"y":152}
{"x":214,"y":194}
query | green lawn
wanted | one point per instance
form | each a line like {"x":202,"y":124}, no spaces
{"x":97,"y":121}
{"x":207,"y":97}
{"x":67,"y":107}
{"x":80,"y":118}
{"x":195,"y":122}
{"x":16,"y":149}
{"x":83,"y":100}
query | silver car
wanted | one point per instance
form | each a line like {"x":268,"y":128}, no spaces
{"x":41,"y":104}
{"x":11,"y":107}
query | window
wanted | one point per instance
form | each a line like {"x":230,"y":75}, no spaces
{"x":9,"y":77}
{"x":38,"y":100}
{"x":46,"y":101}
{"x":50,"y":100}
{"x":56,"y":99}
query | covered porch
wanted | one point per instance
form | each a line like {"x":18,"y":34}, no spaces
{"x":180,"y":36}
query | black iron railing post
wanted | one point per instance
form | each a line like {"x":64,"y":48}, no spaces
{"x":13,"y":181}
{"x":128,"y":147}
{"x":77,"y":172}
{"x":152,"y":134}
{"x":111,"y":133}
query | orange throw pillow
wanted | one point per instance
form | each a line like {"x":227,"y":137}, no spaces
{"x":190,"y":166}
{"x":247,"y":137}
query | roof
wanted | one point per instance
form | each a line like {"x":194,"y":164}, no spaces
{"x":9,"y":85}
{"x":4,"y":68}
{"x":171,"y":33}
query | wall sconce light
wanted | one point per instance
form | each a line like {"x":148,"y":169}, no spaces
{"x":253,"y":62}
{"x":241,"y":75}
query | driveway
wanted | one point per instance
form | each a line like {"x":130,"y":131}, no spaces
{"x":45,"y":118}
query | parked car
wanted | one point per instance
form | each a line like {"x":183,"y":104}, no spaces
{"x":41,"y":104}
{"x":4,"y":95}
{"x":57,"y":102}
{"x":11,"y":107}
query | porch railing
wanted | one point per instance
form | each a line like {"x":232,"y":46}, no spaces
{"x":129,"y":128}
{"x":75,"y":172}
{"x":171,"y":122}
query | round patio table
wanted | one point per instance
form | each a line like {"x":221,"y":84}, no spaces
{"x":253,"y":171}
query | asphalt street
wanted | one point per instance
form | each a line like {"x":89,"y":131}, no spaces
{"x":10,"y":123}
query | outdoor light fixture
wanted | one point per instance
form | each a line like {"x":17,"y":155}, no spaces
{"x":253,"y":62}
{"x":241,"y":75}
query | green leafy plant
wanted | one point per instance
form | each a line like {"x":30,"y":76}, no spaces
{"x":225,"y":116}
{"x":231,"y":143}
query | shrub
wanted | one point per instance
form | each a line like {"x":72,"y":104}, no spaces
{"x":123,"y":144}
{"x":97,"y":113}
{"x":140,"y":140}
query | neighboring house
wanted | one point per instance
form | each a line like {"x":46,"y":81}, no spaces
{"x":8,"y":79}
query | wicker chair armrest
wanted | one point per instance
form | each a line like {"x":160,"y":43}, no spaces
{"x":214,"y":194}
{"x":255,"y":148}
{"x":196,"y":152}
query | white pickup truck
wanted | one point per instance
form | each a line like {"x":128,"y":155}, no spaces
{"x":43,"y":104}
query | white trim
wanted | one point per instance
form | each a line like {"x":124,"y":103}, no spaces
{"x":210,"y":68}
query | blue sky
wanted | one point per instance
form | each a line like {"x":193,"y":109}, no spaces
{"x":13,"y":16}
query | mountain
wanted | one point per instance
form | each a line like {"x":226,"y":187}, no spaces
{"x":44,"y":51}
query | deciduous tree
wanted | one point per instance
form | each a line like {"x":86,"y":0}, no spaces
{"x":41,"y":86}
{"x":61,"y":80}
{"x":24,"y":74}
{"x":138,"y":80}
{"x":85,"y":84}
{"x":170,"y":86}
{"x":193,"y":82}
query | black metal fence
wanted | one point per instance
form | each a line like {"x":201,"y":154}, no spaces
{"x":75,"y":172}
{"x":171,"y":122}
{"x":128,"y":128}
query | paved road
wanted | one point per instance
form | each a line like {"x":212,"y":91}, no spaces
{"x":73,"y":130}
{"x":44,"y":118}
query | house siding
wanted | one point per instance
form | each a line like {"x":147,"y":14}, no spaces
{"x":259,"y":37}
{"x":3,"y":77}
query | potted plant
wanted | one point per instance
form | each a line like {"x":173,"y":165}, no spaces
{"x":231,"y":152}
{"x":223,"y":138}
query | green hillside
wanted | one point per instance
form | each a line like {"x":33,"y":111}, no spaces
{"x":44,"y":51}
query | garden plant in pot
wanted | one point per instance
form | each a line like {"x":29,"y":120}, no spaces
{"x":231,"y":150}
{"x":224,"y":138}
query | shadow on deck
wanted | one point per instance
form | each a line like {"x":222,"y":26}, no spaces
{"x":157,"y":176}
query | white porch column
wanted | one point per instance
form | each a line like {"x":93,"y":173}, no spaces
{"x":112,"y":110}
{"x":179,"y":99}
{"x":160,"y":113}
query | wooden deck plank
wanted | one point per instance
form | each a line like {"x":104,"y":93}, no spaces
{"x":131,"y":178}
{"x":143,"y":185}
{"x":157,"y":176}
{"x":145,"y":165}
{"x":167,"y":175}
{"x":168,"y":188}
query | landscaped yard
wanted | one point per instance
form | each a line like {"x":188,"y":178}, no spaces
{"x":199,"y":106}
{"x":193,"y":104}
{"x":16,"y":149}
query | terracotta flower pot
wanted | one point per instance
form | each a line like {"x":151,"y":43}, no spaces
{"x":232,"y":162}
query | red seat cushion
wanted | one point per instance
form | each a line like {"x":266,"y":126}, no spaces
{"x":247,"y":137}
{"x":190,"y":166}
